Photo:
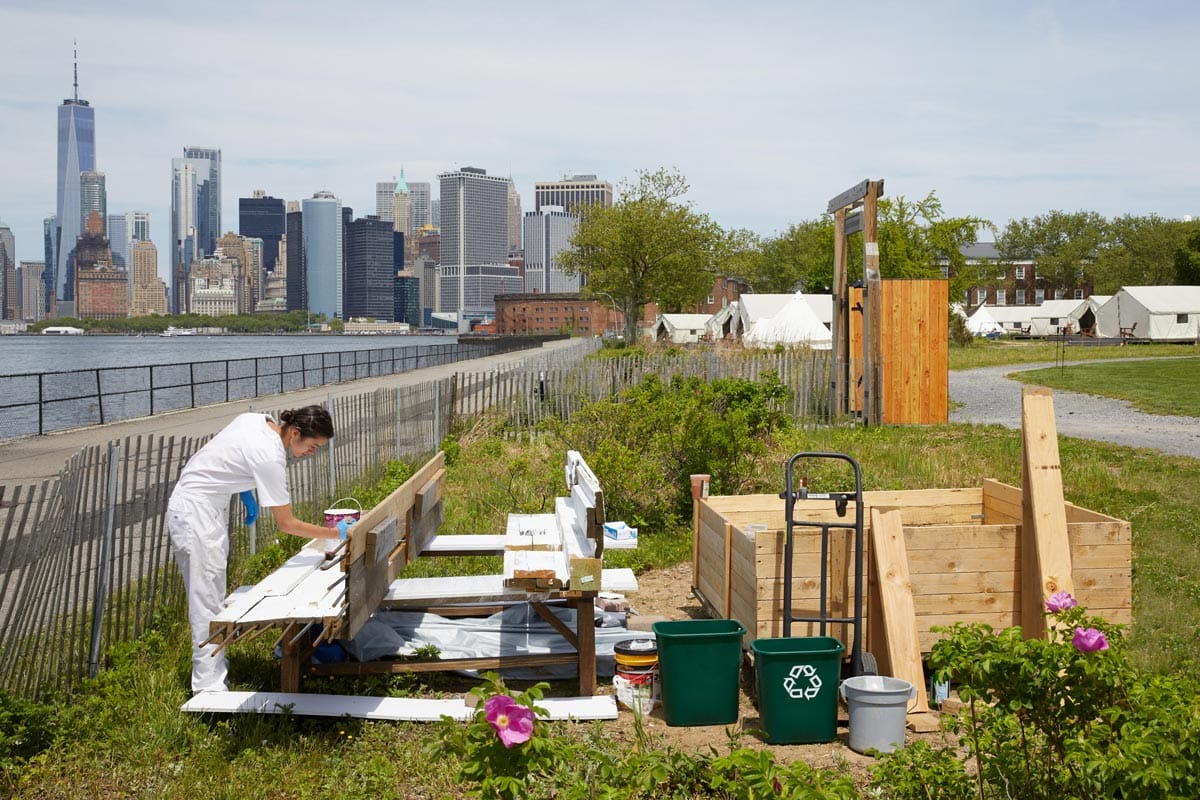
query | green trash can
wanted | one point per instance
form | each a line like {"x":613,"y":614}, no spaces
{"x":797,"y":681}
{"x":699,"y":662}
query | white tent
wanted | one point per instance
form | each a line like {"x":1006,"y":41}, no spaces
{"x":681,"y":328}
{"x":793,"y":325}
{"x":822,"y":306}
{"x":1013,"y":319}
{"x":1158,"y":313}
{"x":981,"y":323}
{"x":1056,"y":316}
{"x":754,"y":307}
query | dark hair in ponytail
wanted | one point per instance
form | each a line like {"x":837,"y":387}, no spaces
{"x":311,"y":421}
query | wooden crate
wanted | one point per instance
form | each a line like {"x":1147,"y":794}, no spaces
{"x":963,"y":550}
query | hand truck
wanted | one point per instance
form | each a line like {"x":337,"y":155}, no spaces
{"x":861,"y":663}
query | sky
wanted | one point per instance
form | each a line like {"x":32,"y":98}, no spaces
{"x":769,"y":109}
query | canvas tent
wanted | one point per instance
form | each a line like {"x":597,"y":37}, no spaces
{"x":1013,"y":319}
{"x":1158,"y":313}
{"x":681,"y":328}
{"x":793,"y":325}
{"x":981,"y":323}
{"x":754,"y":307}
{"x":822,"y":306}
{"x":1056,"y":316}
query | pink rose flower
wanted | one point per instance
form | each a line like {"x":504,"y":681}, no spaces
{"x":1060,"y":601}
{"x":1089,"y":640}
{"x":513,"y":722}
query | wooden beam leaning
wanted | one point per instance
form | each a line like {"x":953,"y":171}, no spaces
{"x":1045,"y":548}
{"x":872,"y":309}
{"x":896,"y":601}
{"x":840,"y":326}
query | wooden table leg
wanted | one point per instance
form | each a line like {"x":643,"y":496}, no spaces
{"x":585,"y":631}
{"x":289,"y":665}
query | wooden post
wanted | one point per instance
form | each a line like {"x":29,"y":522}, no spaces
{"x":872,"y":309}
{"x":699,"y":492}
{"x":839,"y":401}
{"x":585,"y":631}
{"x":1045,"y":548}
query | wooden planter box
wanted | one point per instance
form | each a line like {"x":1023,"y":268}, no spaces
{"x":964,"y":558}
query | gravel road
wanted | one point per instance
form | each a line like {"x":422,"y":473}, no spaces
{"x":986,"y":396}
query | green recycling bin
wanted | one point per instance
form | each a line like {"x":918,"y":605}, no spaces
{"x":797,"y":681}
{"x":700,"y":661}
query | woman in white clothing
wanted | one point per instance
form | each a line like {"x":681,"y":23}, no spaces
{"x":249,"y":453}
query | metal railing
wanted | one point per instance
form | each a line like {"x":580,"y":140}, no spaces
{"x":85,"y":559}
{"x":43,"y":402}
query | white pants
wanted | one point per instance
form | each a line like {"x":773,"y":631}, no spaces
{"x":200,"y":539}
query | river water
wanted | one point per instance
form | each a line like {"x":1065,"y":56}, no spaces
{"x":49,"y":353}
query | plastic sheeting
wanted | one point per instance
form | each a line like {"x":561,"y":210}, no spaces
{"x":517,"y":630}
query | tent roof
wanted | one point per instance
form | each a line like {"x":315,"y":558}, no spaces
{"x":686,"y":321}
{"x":794,"y":324}
{"x":1166,"y":299}
{"x":1057,"y":308}
{"x":982,"y":322}
{"x":760,"y":306}
{"x":822,"y":306}
{"x":1004,"y":314}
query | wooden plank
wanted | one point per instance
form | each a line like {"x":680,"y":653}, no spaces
{"x":1001,"y":503}
{"x":851,"y":196}
{"x":532,"y":532}
{"x":1047,"y":565}
{"x":429,"y":494}
{"x":462,"y":544}
{"x":409,"y":592}
{"x":927,"y":603}
{"x":397,"y":504}
{"x":896,"y":602}
{"x":422,"y":531}
{"x":853,"y":224}
{"x":410,"y":709}
{"x":960,"y":537}
{"x":728,"y":594}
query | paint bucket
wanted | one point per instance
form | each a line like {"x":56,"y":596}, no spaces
{"x":636,"y":679}
{"x":339,"y":512}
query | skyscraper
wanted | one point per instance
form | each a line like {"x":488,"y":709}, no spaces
{"x":547,"y":234}
{"x":101,"y":292}
{"x":474,"y":227}
{"x":263,"y":217}
{"x":119,"y":239}
{"x":76,"y":155}
{"x":296,"y":292}
{"x":33,"y":290}
{"x":383,"y":199}
{"x":49,"y":248}
{"x":9,"y":290}
{"x":514,"y":217}
{"x":402,"y":213}
{"x":418,"y":192}
{"x":195,"y":214}
{"x":149,"y":291}
{"x":139,"y":225}
{"x":435,"y":212}
{"x":572,"y":192}
{"x":93,"y":197}
{"x":323,"y":254}
{"x":370,"y":281}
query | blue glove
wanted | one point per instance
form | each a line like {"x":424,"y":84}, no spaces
{"x":251,"y":506}
{"x":343,"y":526}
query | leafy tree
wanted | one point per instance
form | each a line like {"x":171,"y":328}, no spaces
{"x":914,"y":239}
{"x":1187,"y":259}
{"x":1140,"y":251}
{"x":649,"y":246}
{"x":1062,"y":244}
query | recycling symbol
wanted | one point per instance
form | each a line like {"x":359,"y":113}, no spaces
{"x":802,"y":682}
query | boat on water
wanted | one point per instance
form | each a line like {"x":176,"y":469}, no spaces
{"x":62,"y":330}
{"x":173,"y":331}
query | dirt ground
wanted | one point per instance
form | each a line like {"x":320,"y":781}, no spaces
{"x":667,"y":593}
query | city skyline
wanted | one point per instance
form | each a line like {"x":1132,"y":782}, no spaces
{"x":1006,"y":111}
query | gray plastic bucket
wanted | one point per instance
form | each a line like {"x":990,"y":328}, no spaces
{"x":878,"y":708}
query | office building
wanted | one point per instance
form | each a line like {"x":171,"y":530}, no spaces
{"x":101,"y":291}
{"x":514,"y":218}
{"x":33,"y":290}
{"x":474,"y":234}
{"x":119,"y":239}
{"x":323,"y":256}
{"x":435,"y":212}
{"x":297,"y":296}
{"x":93,"y":196}
{"x":419,"y":203}
{"x":572,"y":192}
{"x":195,"y":214}
{"x":478,"y":287}
{"x":407,"y":293}
{"x":383,"y":199}
{"x":246,"y":252}
{"x":149,"y":290}
{"x":554,"y":313}
{"x":49,"y":248}
{"x":547,"y":234}
{"x":76,"y":155}
{"x":139,"y":225}
{"x":370,"y":274}
{"x":402,"y":213}
{"x":264,"y":218}
{"x":9,"y":291}
{"x":425,"y":270}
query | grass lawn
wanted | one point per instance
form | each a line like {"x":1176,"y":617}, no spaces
{"x":122,"y":735}
{"x":986,"y":353}
{"x":1156,"y":387}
